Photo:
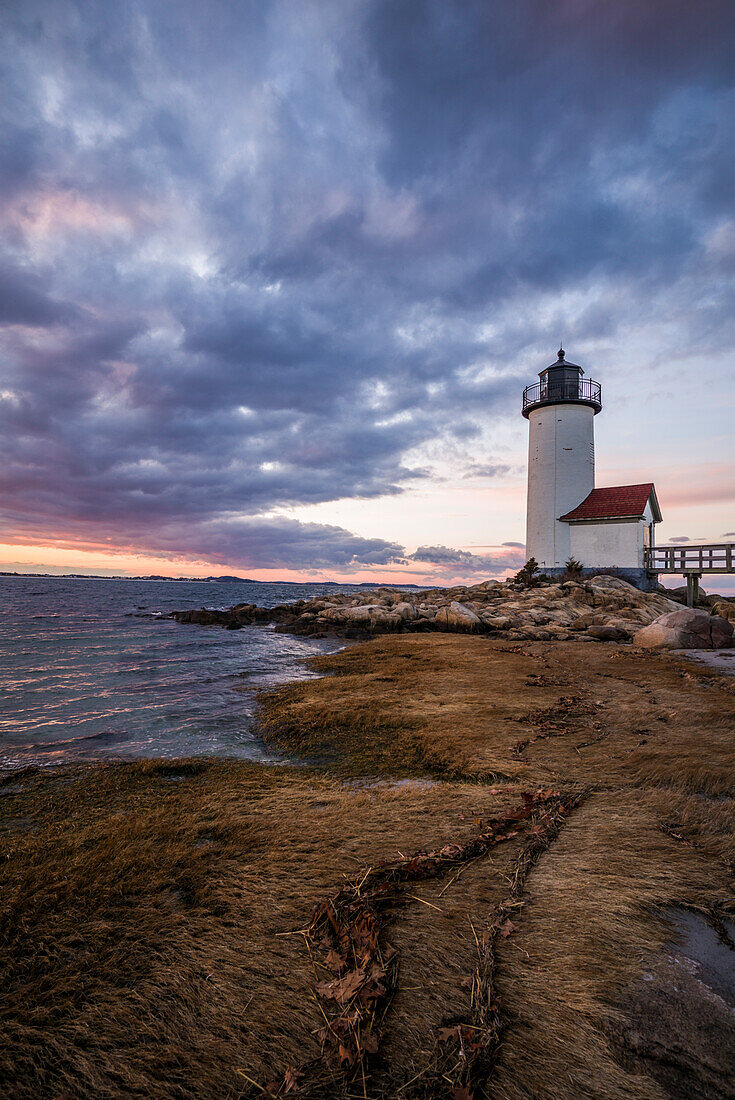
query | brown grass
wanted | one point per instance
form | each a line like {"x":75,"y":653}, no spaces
{"x":147,"y":919}
{"x":151,"y":914}
{"x":588,"y":924}
{"x":453,"y":705}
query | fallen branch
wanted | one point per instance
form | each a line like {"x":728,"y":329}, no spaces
{"x":347,"y":929}
{"x":467,"y":1049}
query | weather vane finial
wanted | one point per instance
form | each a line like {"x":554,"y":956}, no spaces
{"x":561,"y":351}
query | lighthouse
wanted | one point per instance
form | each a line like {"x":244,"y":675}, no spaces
{"x":560,"y":409}
{"x":567,"y":517}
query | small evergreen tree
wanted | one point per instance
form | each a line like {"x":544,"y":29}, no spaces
{"x":573,"y":569}
{"x":527,"y":575}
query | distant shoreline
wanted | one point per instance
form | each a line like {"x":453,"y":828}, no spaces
{"x":207,"y":580}
{"x":250,"y":580}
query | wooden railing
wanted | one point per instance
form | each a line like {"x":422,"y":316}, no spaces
{"x":708,"y":558}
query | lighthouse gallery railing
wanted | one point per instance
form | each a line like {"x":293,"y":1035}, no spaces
{"x":582,"y":389}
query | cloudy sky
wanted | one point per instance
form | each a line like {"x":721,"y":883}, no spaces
{"x":274,"y":274}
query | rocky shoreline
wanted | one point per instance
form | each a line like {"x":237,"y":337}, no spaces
{"x":602,"y":608}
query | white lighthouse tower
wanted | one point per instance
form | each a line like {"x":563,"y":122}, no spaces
{"x":560,"y":410}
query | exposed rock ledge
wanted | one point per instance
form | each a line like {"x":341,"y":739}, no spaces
{"x":603,"y":608}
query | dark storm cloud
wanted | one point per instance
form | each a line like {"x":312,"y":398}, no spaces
{"x":256,"y":542}
{"x":24,"y":300}
{"x":251,"y":259}
{"x":463,"y":561}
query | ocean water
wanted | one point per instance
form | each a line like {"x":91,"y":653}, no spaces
{"x":84,"y":675}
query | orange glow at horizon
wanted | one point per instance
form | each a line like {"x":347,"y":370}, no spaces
{"x":41,"y":559}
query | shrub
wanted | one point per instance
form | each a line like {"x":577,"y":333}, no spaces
{"x":527,"y":575}
{"x":573,"y":569}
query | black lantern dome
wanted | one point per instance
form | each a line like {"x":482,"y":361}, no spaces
{"x":562,"y":383}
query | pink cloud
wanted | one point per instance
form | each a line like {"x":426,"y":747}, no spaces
{"x":48,"y":213}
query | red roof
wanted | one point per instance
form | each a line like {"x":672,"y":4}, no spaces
{"x":617,"y":502}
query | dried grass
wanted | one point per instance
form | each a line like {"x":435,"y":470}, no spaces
{"x":152,"y":915}
{"x":147,"y":915}
{"x":458,"y":706}
{"x":587,"y":927}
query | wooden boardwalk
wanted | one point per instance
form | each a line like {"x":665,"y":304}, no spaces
{"x":691,"y":560}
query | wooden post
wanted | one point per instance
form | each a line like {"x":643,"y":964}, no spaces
{"x":692,"y":589}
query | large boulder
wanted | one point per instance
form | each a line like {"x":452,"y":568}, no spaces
{"x":489,"y":586}
{"x":616,"y":594}
{"x":689,"y":628}
{"x":680,"y":595}
{"x":203,"y":616}
{"x":457,"y":617}
{"x":364,"y":615}
{"x":723,"y":633}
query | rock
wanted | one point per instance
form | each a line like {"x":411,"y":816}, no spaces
{"x":724,"y":608}
{"x":722,"y":633}
{"x":604,"y":583}
{"x":490,"y":587}
{"x":688,"y":628}
{"x":656,"y":636}
{"x":365,"y":615}
{"x":457,"y":617}
{"x":680,"y":595}
{"x":405,"y":611}
{"x":548,"y":611}
{"x":608,"y":633}
{"x":203,"y":616}
{"x":497,"y":622}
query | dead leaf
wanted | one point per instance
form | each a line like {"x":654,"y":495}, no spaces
{"x":447,"y":1033}
{"x":334,"y":960}
{"x":369,"y":1042}
{"x":507,"y":928}
{"x":371,"y":993}
{"x":342,"y":989}
{"x":461,"y":1092}
{"x":346,"y":1055}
